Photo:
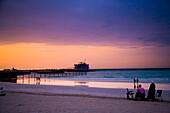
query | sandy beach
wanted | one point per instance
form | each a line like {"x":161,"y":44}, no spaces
{"x":64,"y":99}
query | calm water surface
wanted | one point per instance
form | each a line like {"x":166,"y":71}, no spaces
{"x":106,"y":79}
{"x":145,"y":76}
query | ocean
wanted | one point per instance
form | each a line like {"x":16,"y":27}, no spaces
{"x":144,"y":76}
{"x":106,"y":78}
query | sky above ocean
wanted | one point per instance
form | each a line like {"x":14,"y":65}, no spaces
{"x":107,"y":33}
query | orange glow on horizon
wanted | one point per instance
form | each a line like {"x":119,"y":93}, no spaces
{"x":38,"y":56}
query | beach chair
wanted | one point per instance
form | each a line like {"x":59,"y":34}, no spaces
{"x":159,"y":94}
{"x":129,"y":94}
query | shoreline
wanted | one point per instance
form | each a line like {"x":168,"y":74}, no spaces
{"x":90,"y":83}
{"x":72,"y":90}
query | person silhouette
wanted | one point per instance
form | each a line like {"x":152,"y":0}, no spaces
{"x":151,"y":92}
{"x":141,"y":89}
{"x":134,"y":83}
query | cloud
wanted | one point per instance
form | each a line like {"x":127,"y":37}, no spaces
{"x":79,"y":22}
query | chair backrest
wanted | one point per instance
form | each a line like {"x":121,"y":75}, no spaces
{"x":159,"y":92}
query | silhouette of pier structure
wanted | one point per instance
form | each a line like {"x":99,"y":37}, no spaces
{"x":5,"y":75}
{"x":36,"y":75}
{"x":54,"y":73}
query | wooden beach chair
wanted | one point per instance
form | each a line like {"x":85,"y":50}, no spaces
{"x":129,"y":94}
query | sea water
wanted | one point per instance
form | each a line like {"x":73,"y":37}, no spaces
{"x":144,"y":76}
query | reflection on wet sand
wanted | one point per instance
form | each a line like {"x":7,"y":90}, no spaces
{"x":80,"y":83}
{"x":46,"y":81}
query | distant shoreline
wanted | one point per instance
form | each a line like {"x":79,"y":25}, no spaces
{"x":133,"y":69}
{"x":105,"y":69}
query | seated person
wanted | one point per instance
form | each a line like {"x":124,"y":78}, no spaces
{"x":151,"y":92}
{"x":2,"y":92}
{"x":138,"y":95}
{"x":142,"y":91}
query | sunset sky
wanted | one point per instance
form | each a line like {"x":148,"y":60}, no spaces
{"x":107,"y":33}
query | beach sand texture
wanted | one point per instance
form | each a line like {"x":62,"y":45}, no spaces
{"x":58,"y":99}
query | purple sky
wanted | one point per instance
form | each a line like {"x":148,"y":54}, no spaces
{"x":86,"y":22}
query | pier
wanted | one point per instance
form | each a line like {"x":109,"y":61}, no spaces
{"x":11,"y":75}
{"x":79,"y":69}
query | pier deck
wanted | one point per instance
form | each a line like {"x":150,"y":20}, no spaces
{"x":46,"y":72}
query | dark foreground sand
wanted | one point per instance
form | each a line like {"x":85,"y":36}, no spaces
{"x":41,"y":103}
{"x":59,"y":99}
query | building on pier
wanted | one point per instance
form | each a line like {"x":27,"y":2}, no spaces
{"x":81,"y":66}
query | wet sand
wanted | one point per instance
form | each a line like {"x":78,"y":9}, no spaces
{"x":90,"y":83}
{"x":64,"y":99}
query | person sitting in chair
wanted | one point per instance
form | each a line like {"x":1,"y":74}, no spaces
{"x":138,"y":95}
{"x":142,"y":91}
{"x":151,"y":92}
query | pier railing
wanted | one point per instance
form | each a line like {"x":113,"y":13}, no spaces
{"x":43,"y":73}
